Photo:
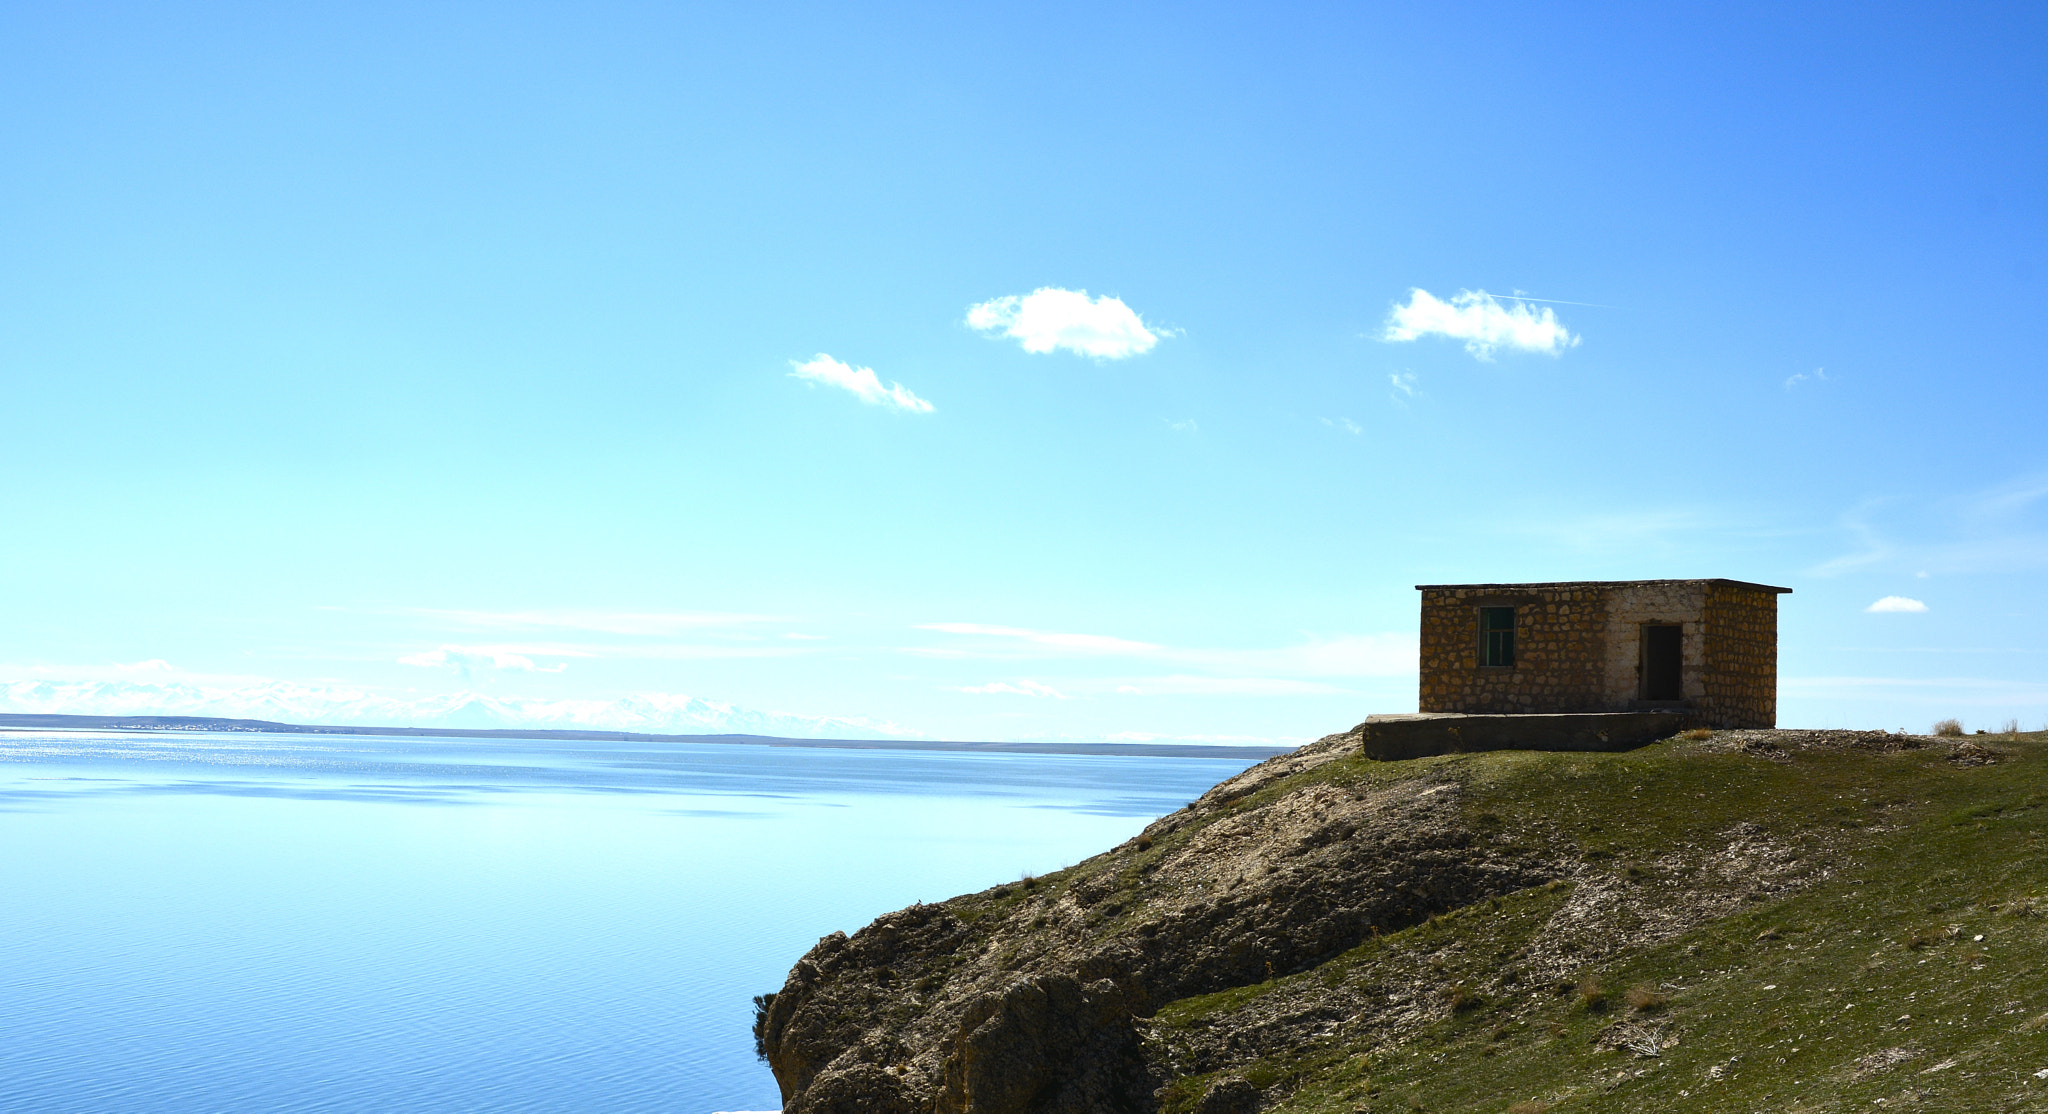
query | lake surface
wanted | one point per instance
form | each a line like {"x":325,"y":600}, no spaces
{"x":200,"y":922}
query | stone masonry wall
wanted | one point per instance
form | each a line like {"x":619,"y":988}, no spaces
{"x":1740,"y":674}
{"x":1632,"y":606}
{"x":1578,"y":648}
{"x":1558,"y":650}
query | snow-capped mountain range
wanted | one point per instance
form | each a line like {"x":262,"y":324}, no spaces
{"x":654,"y":713}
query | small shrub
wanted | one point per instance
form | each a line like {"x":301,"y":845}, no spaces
{"x":1949,"y":728}
{"x":1144,"y":843}
{"x":1461,"y":998}
{"x":762,"y":1004}
{"x":1592,"y":995}
{"x":1029,"y":882}
{"x":2012,"y":727}
{"x":1644,"y":998}
{"x":1696,"y":734}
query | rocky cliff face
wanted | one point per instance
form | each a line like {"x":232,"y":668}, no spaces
{"x":1028,"y":997}
{"x":1046,"y":995}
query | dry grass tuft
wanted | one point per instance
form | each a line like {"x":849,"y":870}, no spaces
{"x":1949,"y":728}
{"x":1644,"y":998}
{"x":1533,"y":1106}
{"x":1696,"y":734}
{"x":1592,"y":995}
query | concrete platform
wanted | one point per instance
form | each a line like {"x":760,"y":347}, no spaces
{"x":1396,"y":737}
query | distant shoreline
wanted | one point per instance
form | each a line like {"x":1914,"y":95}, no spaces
{"x":163,"y":724}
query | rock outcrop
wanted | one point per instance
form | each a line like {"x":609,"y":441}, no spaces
{"x":1028,"y":997}
{"x":1052,"y":995}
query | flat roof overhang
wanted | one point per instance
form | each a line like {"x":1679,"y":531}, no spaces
{"x":1604,"y":584}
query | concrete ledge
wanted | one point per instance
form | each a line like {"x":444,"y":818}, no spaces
{"x":1393,"y":738}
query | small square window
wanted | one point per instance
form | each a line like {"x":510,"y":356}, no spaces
{"x":1496,"y":636}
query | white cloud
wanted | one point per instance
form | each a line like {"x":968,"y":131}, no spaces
{"x":1182,"y":684}
{"x":1081,"y":643}
{"x":1895,"y":604}
{"x":1188,"y":426}
{"x":1348,"y":655}
{"x":1050,"y":318}
{"x":152,"y":667}
{"x":1346,"y":424}
{"x":1021,"y":688}
{"x":1481,"y":321}
{"x":1819,"y":373}
{"x":1404,"y":382}
{"x":2008,"y":498}
{"x":603,"y":622}
{"x":861,"y":381}
{"x":466,"y":658}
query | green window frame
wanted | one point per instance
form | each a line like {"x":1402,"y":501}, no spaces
{"x":1497,"y":636}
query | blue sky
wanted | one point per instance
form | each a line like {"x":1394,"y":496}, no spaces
{"x":393,"y":353}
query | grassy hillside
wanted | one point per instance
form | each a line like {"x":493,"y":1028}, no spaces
{"x":1764,"y":921}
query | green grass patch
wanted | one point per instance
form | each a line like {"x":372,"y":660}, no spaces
{"x":1907,"y":965}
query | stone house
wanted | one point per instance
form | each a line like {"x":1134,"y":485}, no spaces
{"x":1706,"y":648}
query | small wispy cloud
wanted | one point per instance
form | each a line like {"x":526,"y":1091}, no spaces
{"x":1050,"y":318}
{"x":1021,"y":688}
{"x":646,"y":623}
{"x":1481,"y":321}
{"x":1403,"y":381}
{"x":1345,"y":424}
{"x":1181,"y":684}
{"x":1819,"y":373}
{"x":1187,"y":426}
{"x":862,"y":381}
{"x":2008,"y":498}
{"x":1895,"y":604}
{"x":1079,"y":643}
{"x":1350,"y":655}
{"x":465,"y":659}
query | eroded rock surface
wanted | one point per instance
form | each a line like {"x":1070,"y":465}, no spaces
{"x":1026,"y":997}
{"x":1040,"y":996}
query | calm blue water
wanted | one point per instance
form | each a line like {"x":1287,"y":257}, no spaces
{"x":217,"y":922}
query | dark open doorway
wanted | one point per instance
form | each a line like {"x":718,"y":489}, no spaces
{"x":1663,"y":662}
